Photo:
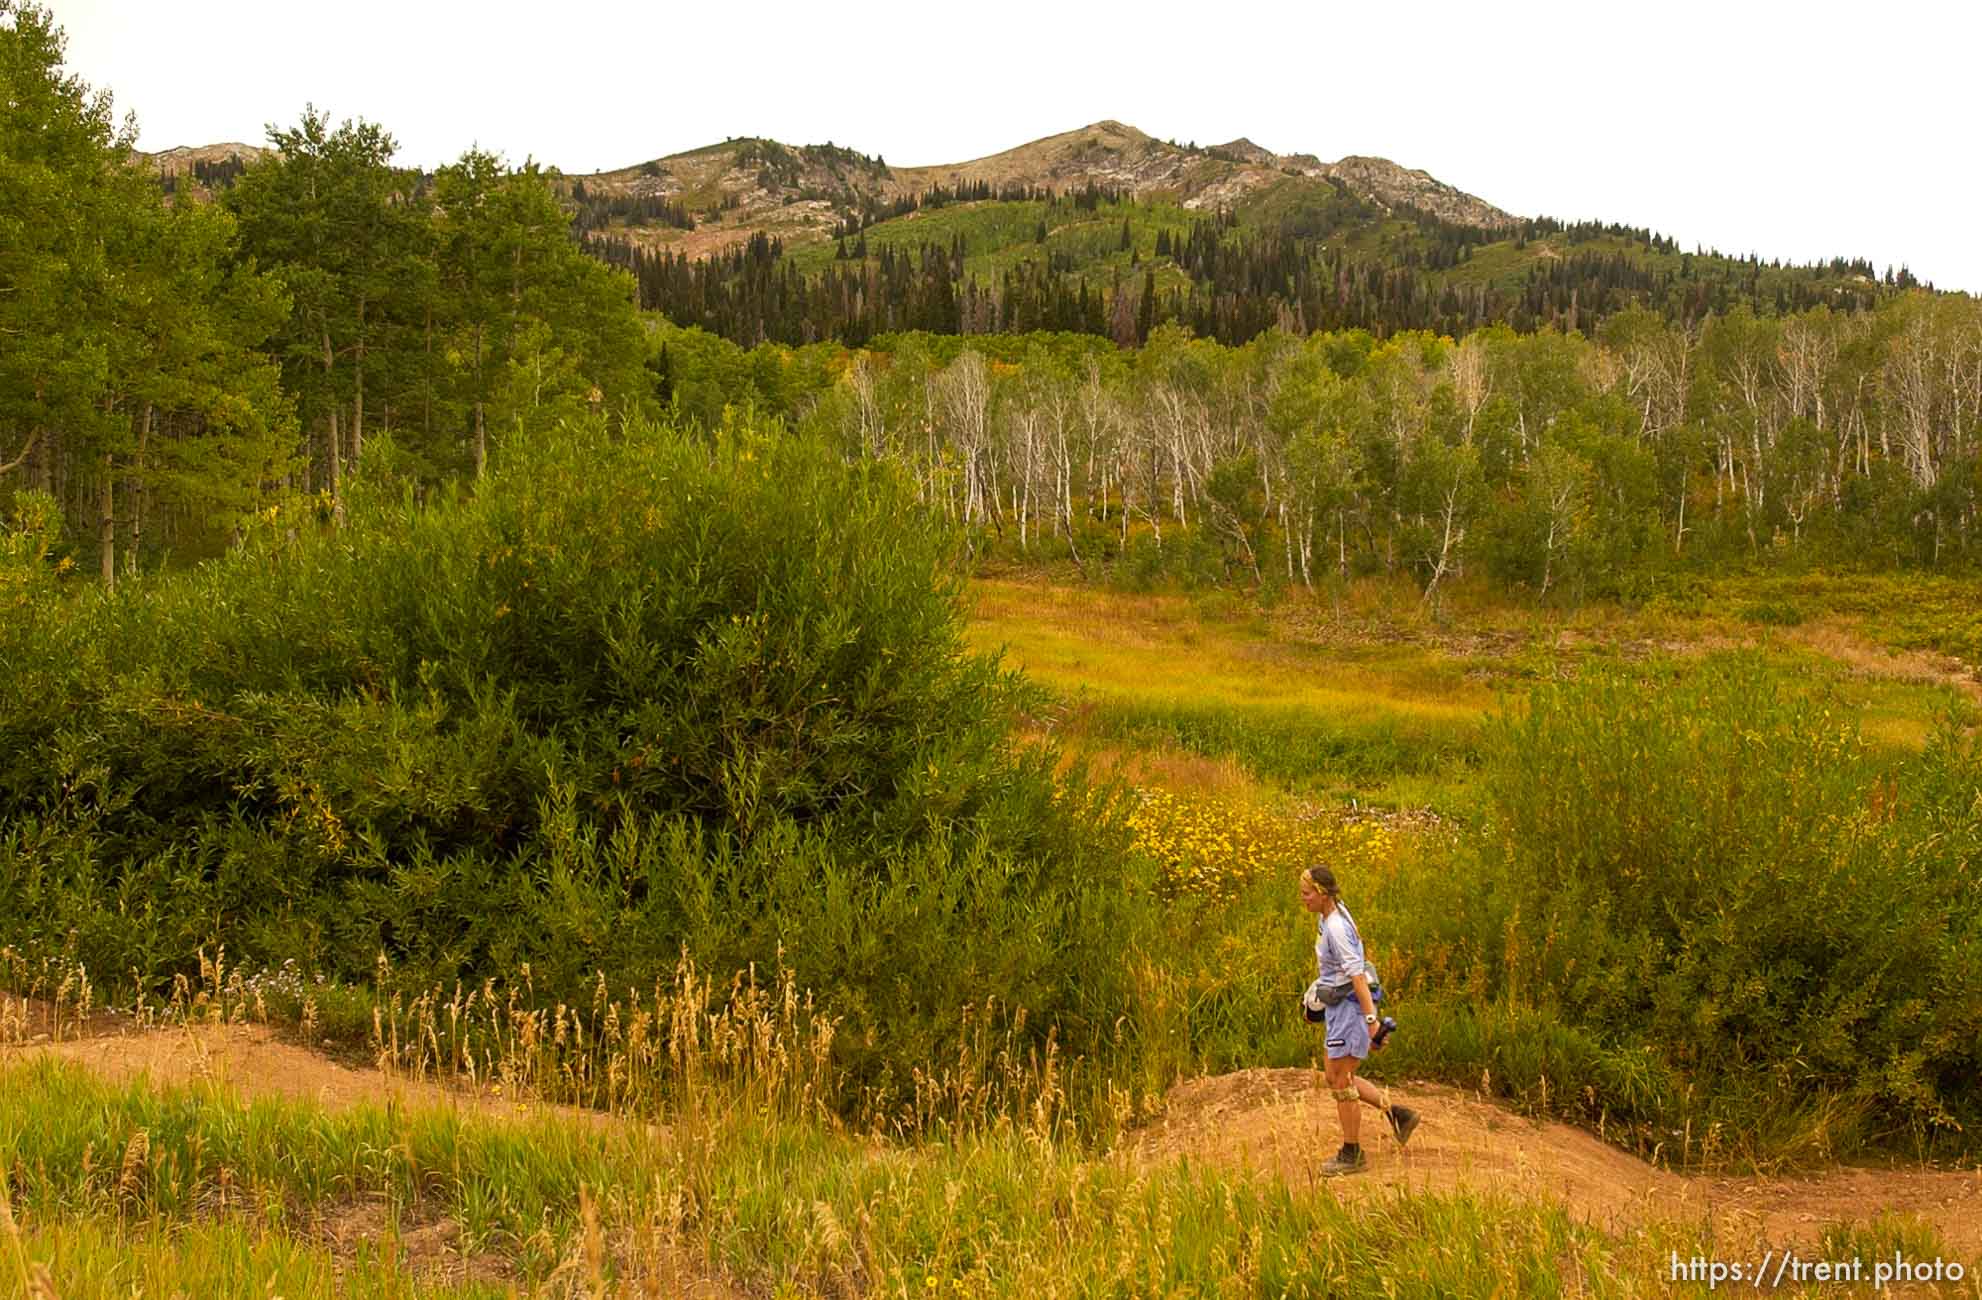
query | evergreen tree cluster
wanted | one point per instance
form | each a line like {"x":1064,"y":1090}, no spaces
{"x":220,"y":174}
{"x":780,"y":167}
{"x":750,"y":293}
{"x":840,"y":159}
{"x":1580,"y":232}
{"x":594,"y":211}
{"x":215,"y":175}
{"x":868,"y":209}
{"x":1312,"y":266}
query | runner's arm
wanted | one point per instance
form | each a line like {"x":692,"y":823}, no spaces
{"x":1362,"y":984}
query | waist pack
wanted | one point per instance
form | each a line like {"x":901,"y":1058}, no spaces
{"x":1319,"y":997}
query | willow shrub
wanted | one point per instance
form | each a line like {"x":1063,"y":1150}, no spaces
{"x":630,"y":696}
{"x":1707,"y":861}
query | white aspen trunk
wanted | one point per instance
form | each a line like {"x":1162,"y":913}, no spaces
{"x":1453,"y":535}
{"x":106,"y":521}
{"x":27,"y":449}
{"x":1177,"y":479}
{"x":134,"y":493}
{"x":358,"y":396}
{"x":481,"y":424}
{"x":335,"y":462}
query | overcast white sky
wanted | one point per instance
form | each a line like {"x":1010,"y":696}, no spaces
{"x":1798,"y":131}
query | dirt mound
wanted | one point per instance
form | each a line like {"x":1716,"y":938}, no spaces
{"x":253,"y":1061}
{"x":1282,"y":1122}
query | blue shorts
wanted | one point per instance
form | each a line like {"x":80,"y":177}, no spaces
{"x":1346,"y":1033}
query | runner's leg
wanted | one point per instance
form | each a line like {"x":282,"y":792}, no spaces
{"x":1341,"y":1078}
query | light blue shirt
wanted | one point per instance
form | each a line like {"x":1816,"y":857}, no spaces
{"x":1338,"y":949}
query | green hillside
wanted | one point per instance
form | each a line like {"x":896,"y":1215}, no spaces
{"x":1297,"y":252}
{"x":1109,"y":231}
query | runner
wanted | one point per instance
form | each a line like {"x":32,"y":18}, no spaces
{"x":1344,"y":997}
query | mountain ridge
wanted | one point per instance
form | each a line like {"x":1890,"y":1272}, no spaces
{"x":181,"y":158}
{"x":803,"y":192}
{"x":724,"y":192}
{"x":1106,"y":229}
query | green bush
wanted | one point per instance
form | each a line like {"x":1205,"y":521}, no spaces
{"x":1184,"y":559}
{"x":1711,"y":862}
{"x":630,"y":696}
{"x":1774,"y":613}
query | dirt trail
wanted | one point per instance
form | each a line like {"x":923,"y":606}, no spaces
{"x":1272,"y":1121}
{"x":254,"y":1061}
{"x":1282,"y":1122}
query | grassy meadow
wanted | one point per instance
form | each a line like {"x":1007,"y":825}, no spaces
{"x":999,"y":237}
{"x":872,"y":954}
{"x":1294,"y":706}
{"x":1366,"y":696}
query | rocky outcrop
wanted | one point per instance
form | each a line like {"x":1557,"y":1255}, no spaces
{"x":1386,"y":183}
{"x":1243,"y":150}
{"x":175,"y":162}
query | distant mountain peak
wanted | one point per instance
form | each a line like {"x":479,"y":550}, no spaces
{"x":172,"y":162}
{"x":1245,"y":151}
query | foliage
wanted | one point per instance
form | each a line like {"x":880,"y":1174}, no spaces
{"x":130,"y":366}
{"x":1563,"y":468}
{"x":175,"y":366}
{"x":458,"y":302}
{"x":1714,"y":865}
{"x":1212,"y":848}
{"x":637,"y":694}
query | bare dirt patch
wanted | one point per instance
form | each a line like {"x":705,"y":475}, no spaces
{"x":1282,"y":1123}
{"x":254,"y":1061}
{"x":431,"y":1248}
{"x":1798,"y":1209}
{"x":428,"y":1248}
{"x":703,"y":241}
{"x":422,"y":1242}
{"x":1867,"y":659}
